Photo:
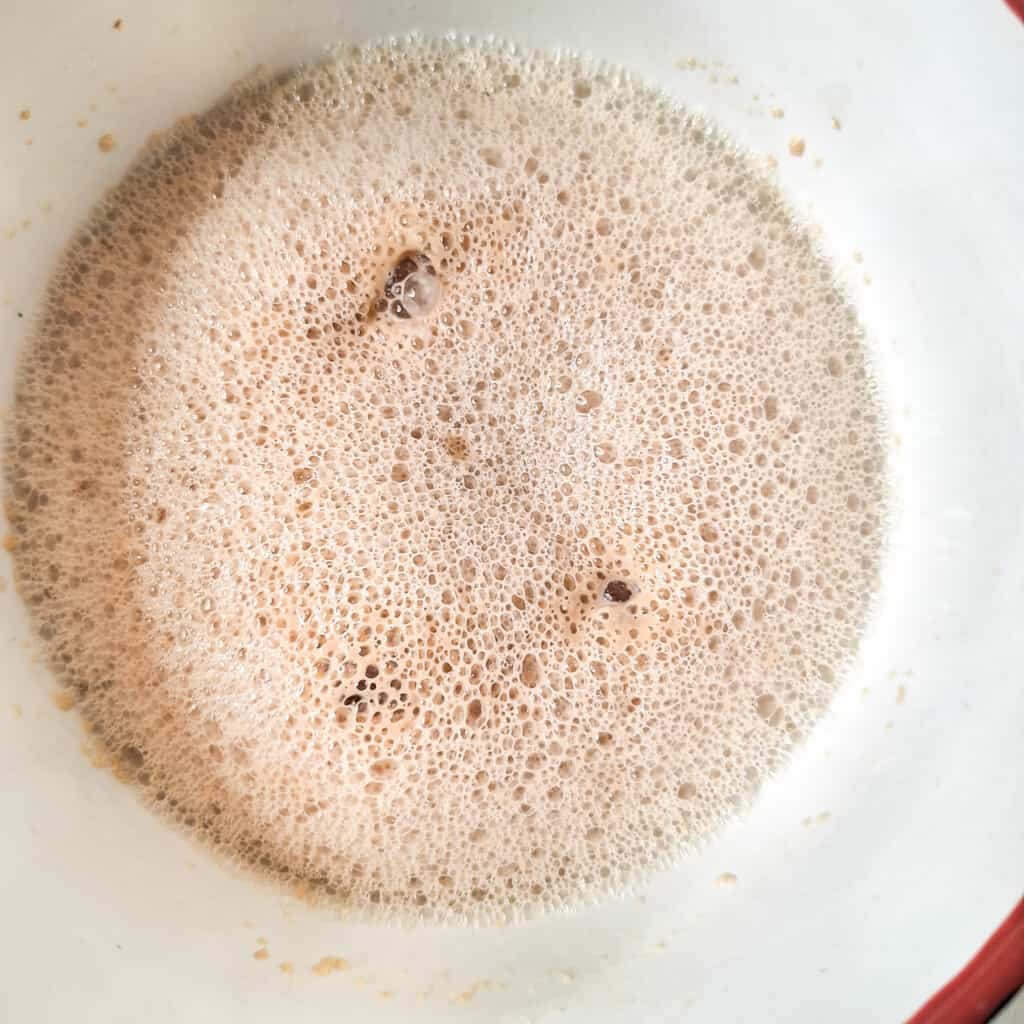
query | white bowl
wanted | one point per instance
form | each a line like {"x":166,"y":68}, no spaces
{"x":110,"y":916}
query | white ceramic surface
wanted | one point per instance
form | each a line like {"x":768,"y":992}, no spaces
{"x":109,"y":916}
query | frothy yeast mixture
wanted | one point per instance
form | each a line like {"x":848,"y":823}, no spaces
{"x":447,"y":476}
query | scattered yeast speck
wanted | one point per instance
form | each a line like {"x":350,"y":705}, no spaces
{"x":330,"y":965}
{"x":797,"y":146}
{"x":17,"y":710}
{"x":25,"y":113}
{"x":118,"y":24}
{"x":106,"y":143}
{"x":469,"y":994}
{"x":901,"y":694}
{"x":286,"y":967}
{"x":777,"y":112}
{"x":63,"y":700}
{"x":261,"y":954}
{"x":726,"y":879}
{"x":836,"y":124}
{"x":9,"y":542}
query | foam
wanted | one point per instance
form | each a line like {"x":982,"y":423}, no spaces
{"x":489,"y":601}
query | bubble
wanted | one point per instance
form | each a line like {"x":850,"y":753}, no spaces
{"x":412,"y":289}
{"x":617,"y":591}
{"x":529,"y":671}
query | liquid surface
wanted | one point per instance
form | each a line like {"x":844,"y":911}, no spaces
{"x":448,"y":477}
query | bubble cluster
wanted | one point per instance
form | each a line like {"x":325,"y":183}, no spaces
{"x":411,"y":288}
{"x":447,"y":476}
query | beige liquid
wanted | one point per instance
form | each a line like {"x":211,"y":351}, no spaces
{"x":466,"y":590}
